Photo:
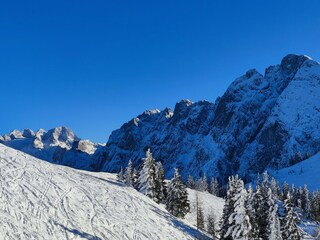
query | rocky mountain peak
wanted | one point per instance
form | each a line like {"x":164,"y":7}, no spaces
{"x":292,"y":62}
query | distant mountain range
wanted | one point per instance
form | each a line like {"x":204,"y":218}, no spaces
{"x":269,"y":120}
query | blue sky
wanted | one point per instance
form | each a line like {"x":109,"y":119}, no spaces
{"x":93,"y":65}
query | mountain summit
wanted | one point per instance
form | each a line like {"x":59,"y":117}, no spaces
{"x":268,"y":120}
{"x":263,"y":121}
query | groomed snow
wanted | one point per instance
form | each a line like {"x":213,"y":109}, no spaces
{"x":39,"y":200}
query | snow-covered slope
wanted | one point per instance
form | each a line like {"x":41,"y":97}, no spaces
{"x":306,"y":172}
{"x":39,"y":200}
{"x":209,"y":203}
{"x":59,"y":145}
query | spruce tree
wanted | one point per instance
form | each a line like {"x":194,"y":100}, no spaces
{"x":199,"y":216}
{"x":252,"y":212}
{"x":315,"y":206}
{"x":190,"y":182}
{"x":121,"y":175}
{"x":211,"y":225}
{"x":275,"y":188}
{"x":228,"y":208}
{"x":177,"y":202}
{"x":305,"y":199}
{"x":261,"y":207}
{"x":273,"y":229}
{"x":129,"y":180}
{"x":135,"y":176}
{"x":214,"y":187}
{"x":160,"y":190}
{"x":290,"y":230}
{"x":239,"y":222}
{"x":285,"y":190}
{"x":146,"y":183}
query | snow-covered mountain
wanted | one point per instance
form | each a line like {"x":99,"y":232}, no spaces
{"x":59,"y":145}
{"x":268,"y":120}
{"x":40,"y":200}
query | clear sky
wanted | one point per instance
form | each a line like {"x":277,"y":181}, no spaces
{"x":94,"y":65}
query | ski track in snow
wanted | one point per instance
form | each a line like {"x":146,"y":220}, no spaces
{"x":39,"y":200}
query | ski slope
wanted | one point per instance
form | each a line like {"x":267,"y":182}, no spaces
{"x":39,"y":200}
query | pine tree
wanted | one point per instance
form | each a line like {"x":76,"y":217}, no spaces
{"x":285,"y":190}
{"x":121,"y":175}
{"x":228,"y":208}
{"x":239,"y":222}
{"x":211,"y":226}
{"x":261,"y":207}
{"x":265,"y":182}
{"x":290,"y":229}
{"x":252,"y":212}
{"x":273,"y":230}
{"x":147,"y":177}
{"x":129,"y":180}
{"x":200,"y":217}
{"x":275,"y":188}
{"x":160,"y":187}
{"x":315,"y":206}
{"x":190,"y":182}
{"x":305,"y":199}
{"x":202,"y":184}
{"x":177,"y":202}
{"x":214,"y":187}
{"x":135,"y":176}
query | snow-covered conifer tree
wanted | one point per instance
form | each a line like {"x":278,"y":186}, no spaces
{"x":228,"y":208}
{"x":146,"y":182}
{"x":177,"y":202}
{"x":121,"y":175}
{"x":239,"y":222}
{"x":211,"y":225}
{"x":190,"y":182}
{"x":273,"y":230}
{"x":200,"y":216}
{"x":305,"y":199}
{"x":285,"y":190}
{"x":214,"y":187}
{"x":275,"y":188}
{"x":290,"y":230}
{"x":129,"y":175}
{"x":160,"y":190}
{"x":315,"y":206}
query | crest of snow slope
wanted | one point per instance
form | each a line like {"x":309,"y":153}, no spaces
{"x":306,"y":172}
{"x":39,"y":200}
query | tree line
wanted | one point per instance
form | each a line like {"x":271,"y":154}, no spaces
{"x":150,"y":181}
{"x":266,"y":211}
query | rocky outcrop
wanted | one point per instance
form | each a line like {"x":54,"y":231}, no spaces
{"x":262,"y":121}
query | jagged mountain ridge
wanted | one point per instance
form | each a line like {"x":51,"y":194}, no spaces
{"x":262,"y":121}
{"x":58,"y":145}
{"x":268,"y":120}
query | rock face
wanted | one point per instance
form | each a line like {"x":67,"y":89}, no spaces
{"x":59,"y":145}
{"x":262,"y":121}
